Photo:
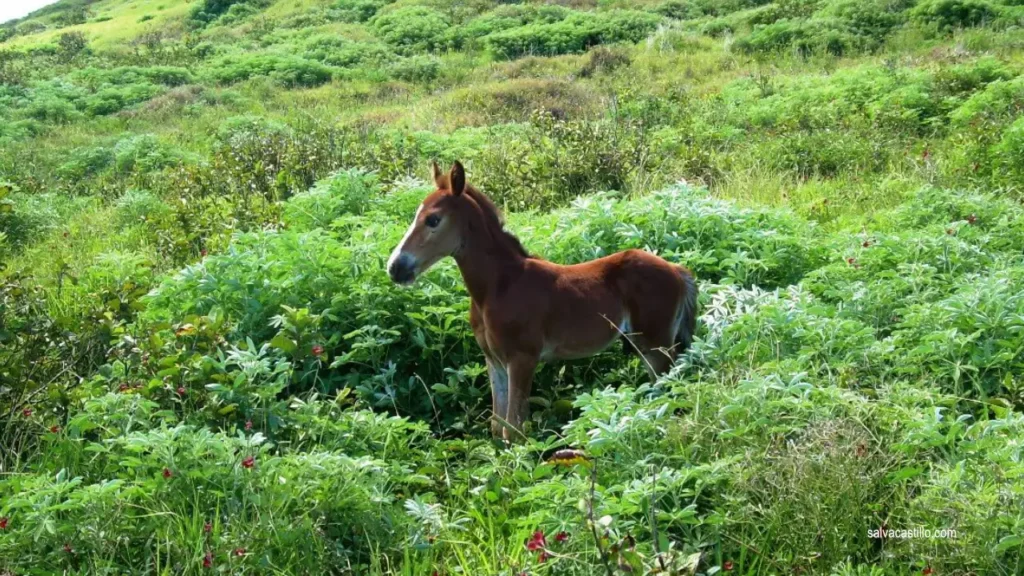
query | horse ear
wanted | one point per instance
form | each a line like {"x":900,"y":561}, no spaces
{"x":457,"y":178}
{"x":436,"y":172}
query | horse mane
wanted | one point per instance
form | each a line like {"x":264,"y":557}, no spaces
{"x":495,"y":223}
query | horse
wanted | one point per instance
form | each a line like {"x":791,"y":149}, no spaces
{"x":525,"y":310}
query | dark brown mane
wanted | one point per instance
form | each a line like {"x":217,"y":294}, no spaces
{"x":495,"y":222}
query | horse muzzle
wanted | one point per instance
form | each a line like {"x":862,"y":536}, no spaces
{"x":402,"y":269}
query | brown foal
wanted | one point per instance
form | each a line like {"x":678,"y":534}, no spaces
{"x":526,"y":310}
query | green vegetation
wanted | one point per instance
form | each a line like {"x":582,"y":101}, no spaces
{"x":204,"y":367}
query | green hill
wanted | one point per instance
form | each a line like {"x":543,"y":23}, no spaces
{"x":204,"y":366}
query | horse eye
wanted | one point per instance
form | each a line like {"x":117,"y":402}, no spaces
{"x":433,"y":220}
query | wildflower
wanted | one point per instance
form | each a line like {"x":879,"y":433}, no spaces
{"x":182,"y":391}
{"x":543,"y":557}
{"x":249,"y":462}
{"x":561,"y":537}
{"x":68,"y":548}
{"x":203,"y":252}
{"x":972,"y":219}
{"x":168,"y":473}
{"x":54,"y":429}
{"x":239,"y":552}
{"x":3,"y":522}
{"x":248,"y":424}
{"x":318,"y":350}
{"x":852,"y":262}
{"x":208,"y":560}
{"x":207,"y":528}
{"x":727,"y":566}
{"x":122,"y":388}
{"x":536,"y":542}
{"x":927,"y":571}
{"x":926,"y":154}
{"x":27,"y":412}
{"x":866,"y":243}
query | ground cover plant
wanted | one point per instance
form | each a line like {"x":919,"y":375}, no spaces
{"x":205,"y":368}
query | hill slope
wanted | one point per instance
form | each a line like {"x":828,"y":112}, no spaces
{"x":203,"y":365}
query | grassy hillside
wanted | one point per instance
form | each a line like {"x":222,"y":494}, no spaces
{"x":204,"y":367}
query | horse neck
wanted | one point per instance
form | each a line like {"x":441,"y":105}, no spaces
{"x":485,"y":260}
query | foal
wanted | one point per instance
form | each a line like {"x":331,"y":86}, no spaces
{"x":526,"y":310}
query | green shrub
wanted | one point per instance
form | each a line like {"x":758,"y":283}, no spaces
{"x":144,"y":153}
{"x":290,"y":71}
{"x":355,"y":10}
{"x":576,"y":33}
{"x":348,"y":192}
{"x":337,"y":51}
{"x":412,"y":29}
{"x":416,"y":69}
{"x":136,"y":207}
{"x":948,"y":14}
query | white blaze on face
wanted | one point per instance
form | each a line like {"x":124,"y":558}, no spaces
{"x":401,"y":245}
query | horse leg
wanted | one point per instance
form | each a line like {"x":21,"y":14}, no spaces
{"x":657,"y":361}
{"x":499,"y":396}
{"x":520,"y":381}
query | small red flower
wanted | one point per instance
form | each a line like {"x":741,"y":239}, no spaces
{"x":122,"y":388}
{"x":27,"y":412}
{"x":543,"y":557}
{"x":972,"y":219}
{"x":866,"y":243}
{"x":852,"y":262}
{"x":207,"y":528}
{"x":561,"y":537}
{"x":927,"y":571}
{"x":208,"y":560}
{"x":248,"y":424}
{"x":3,"y":522}
{"x":68,"y":548}
{"x":318,"y":350}
{"x":249,"y":462}
{"x":168,"y":473}
{"x":182,"y":391}
{"x":54,"y":429}
{"x":536,"y":542}
{"x":727,"y":566}
{"x":239,"y":552}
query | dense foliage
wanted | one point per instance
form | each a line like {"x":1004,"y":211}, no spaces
{"x":204,"y":367}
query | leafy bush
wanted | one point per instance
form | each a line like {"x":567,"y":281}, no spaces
{"x":412,"y":29}
{"x":290,"y":71}
{"x":575,"y":33}
{"x":355,"y":10}
{"x":948,"y":14}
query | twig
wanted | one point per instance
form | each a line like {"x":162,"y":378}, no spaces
{"x":593,"y":523}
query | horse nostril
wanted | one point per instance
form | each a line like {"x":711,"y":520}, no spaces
{"x":401,"y":269}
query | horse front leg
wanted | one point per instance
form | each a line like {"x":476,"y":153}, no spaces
{"x":499,"y":396}
{"x":520,"y":382}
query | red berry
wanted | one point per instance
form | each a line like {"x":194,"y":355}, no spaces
{"x":249,"y":462}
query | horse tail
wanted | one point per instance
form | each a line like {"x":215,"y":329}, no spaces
{"x":688,"y":317}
